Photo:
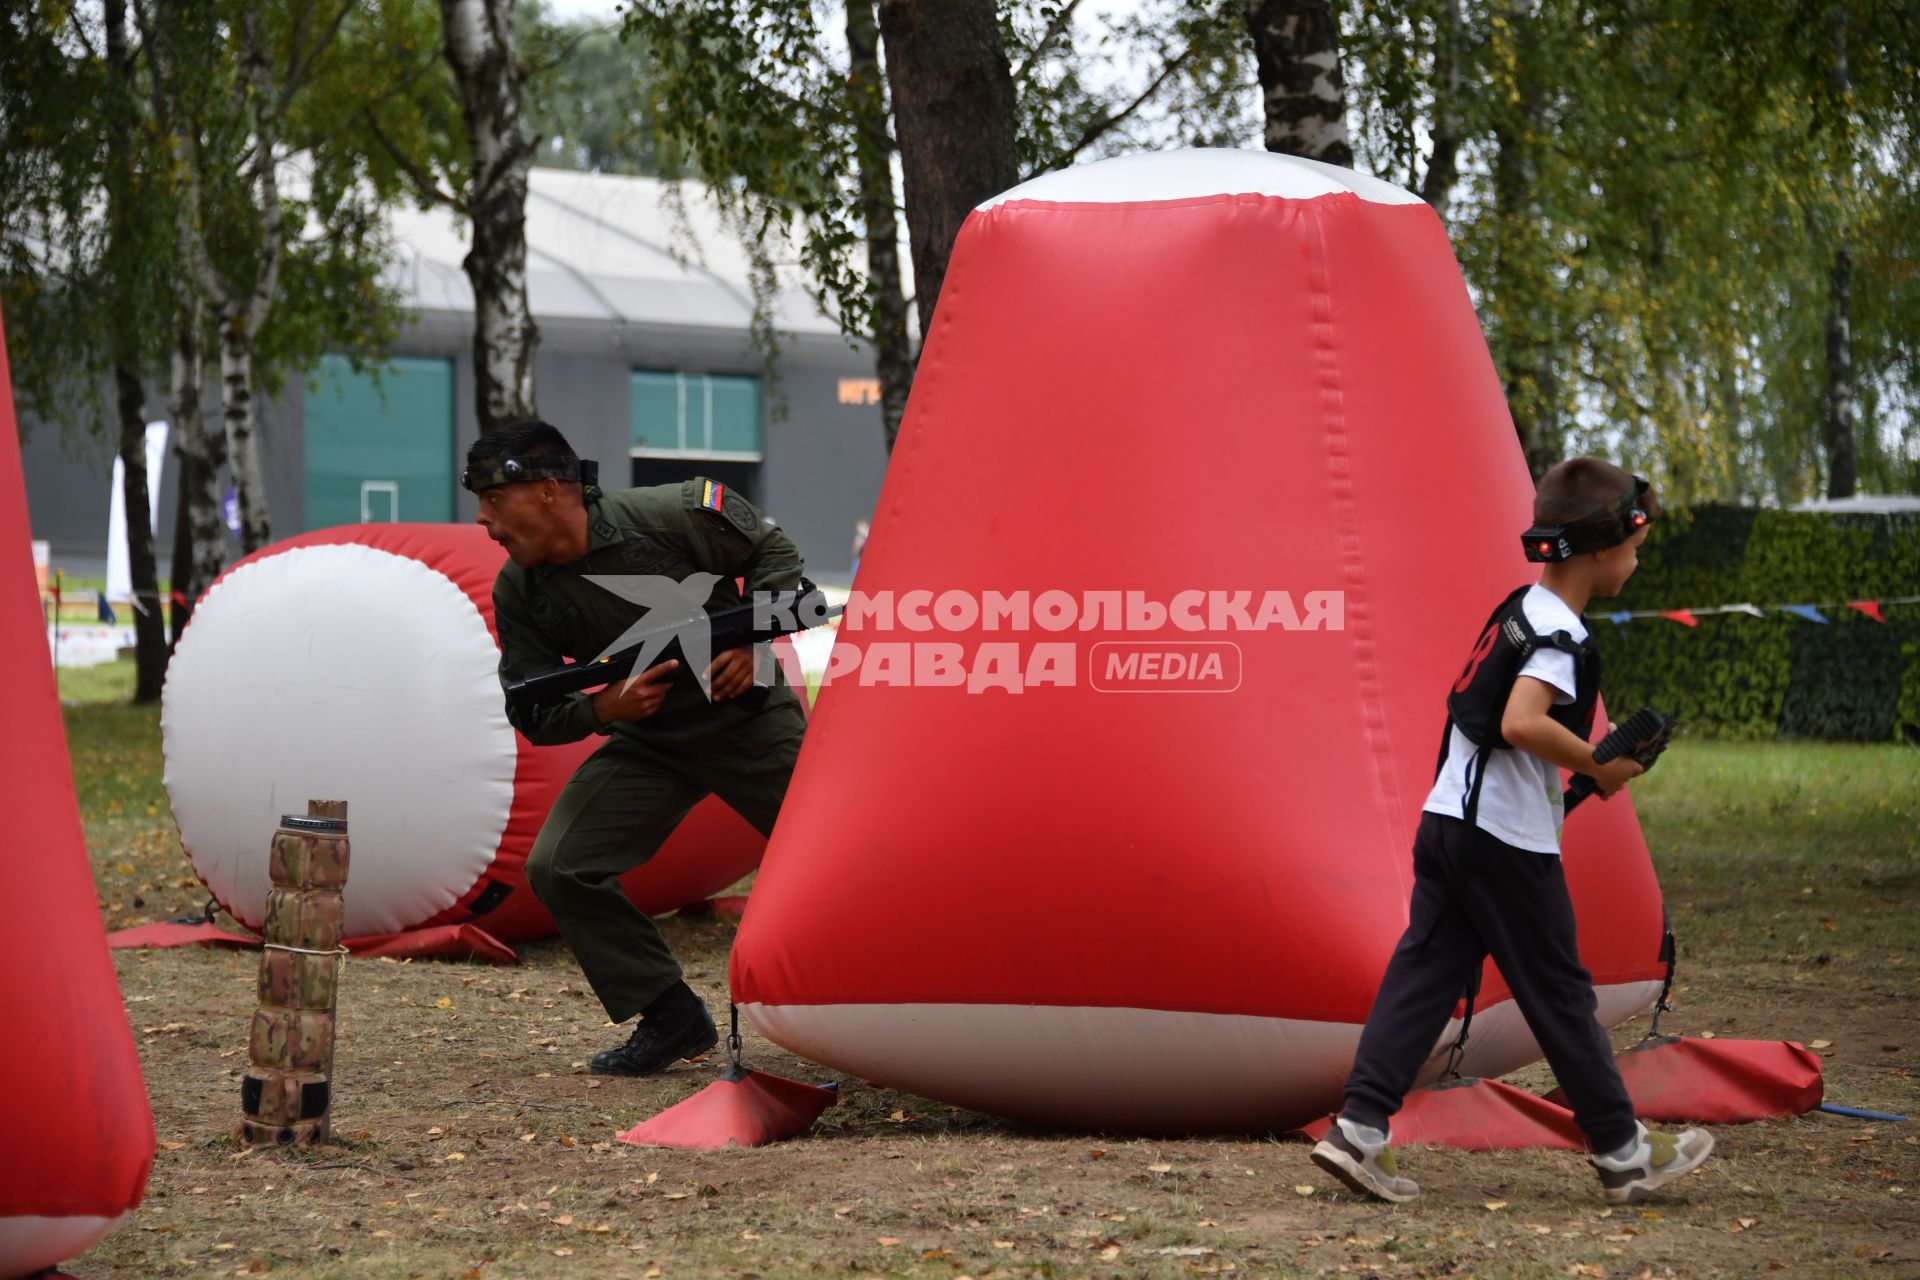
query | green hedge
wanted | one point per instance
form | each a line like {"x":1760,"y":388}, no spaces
{"x":1739,"y":676}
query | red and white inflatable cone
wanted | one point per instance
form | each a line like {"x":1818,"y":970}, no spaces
{"x":76,"y":1136}
{"x":743,"y":1108}
{"x":1157,"y":383}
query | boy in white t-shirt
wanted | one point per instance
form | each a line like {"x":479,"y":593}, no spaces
{"x":1486,"y":858}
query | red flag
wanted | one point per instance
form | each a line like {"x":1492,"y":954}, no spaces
{"x":1682,"y":616}
{"x":1869,"y":607}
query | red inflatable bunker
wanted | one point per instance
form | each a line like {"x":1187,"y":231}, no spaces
{"x":1142,"y":868}
{"x":76,"y":1137}
{"x":361,"y":663}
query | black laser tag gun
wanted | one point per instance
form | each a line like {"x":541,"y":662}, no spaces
{"x":752,"y":623}
{"x":1643,"y":737}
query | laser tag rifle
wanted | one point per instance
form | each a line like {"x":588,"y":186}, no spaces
{"x":1642,"y":738}
{"x":744,"y":624}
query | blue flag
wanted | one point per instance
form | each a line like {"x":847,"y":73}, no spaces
{"x":106,"y":610}
{"x":1806,"y":611}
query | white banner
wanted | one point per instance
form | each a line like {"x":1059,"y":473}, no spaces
{"x":119,"y":576}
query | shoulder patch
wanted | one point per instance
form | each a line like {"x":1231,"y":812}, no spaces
{"x":711,"y":495}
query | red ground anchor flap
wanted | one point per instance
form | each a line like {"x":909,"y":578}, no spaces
{"x":1718,"y":1081}
{"x":1478,"y":1115}
{"x":743,"y":1108}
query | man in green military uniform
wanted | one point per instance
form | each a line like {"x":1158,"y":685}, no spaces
{"x":670,"y":741}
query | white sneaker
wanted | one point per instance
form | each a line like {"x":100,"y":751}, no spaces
{"x":1656,"y":1160}
{"x":1367,"y":1167}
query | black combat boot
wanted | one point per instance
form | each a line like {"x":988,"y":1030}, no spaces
{"x":675,"y":1026}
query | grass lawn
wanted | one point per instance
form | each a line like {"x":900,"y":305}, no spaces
{"x":471,"y":1144}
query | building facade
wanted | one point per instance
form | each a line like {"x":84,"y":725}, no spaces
{"x":645,"y":362}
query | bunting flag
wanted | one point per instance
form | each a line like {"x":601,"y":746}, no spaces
{"x":104,"y":609}
{"x":1690,"y":616}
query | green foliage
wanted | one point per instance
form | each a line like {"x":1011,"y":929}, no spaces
{"x":588,"y":96}
{"x":1744,"y":677}
{"x":1651,"y":195}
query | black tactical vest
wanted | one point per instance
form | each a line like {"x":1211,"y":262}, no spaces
{"x":1478,"y":698}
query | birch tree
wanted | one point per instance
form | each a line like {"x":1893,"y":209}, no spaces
{"x":1297,"y":50}
{"x":480,"y":51}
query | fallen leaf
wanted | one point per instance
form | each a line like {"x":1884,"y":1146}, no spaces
{"x":565,"y":1220}
{"x":1820,"y":1044}
{"x":172,"y":1146}
{"x":1098,"y":1153}
{"x":887,"y":1240}
{"x":1304,"y":1189}
{"x":1159,"y":1168}
{"x":1003,"y":1244}
{"x":1111,"y":1252}
{"x":563,"y":1252}
{"x":526,"y":1137}
{"x":444,"y":1002}
{"x":1494,"y":1206}
{"x":456,"y":1155}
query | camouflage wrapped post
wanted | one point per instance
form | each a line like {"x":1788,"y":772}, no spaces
{"x":286,"y":1095}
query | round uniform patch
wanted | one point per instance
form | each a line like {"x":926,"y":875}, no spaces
{"x":740,"y":511}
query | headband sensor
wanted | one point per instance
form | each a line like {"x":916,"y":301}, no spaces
{"x":1608,"y":527}
{"x":498,"y":471}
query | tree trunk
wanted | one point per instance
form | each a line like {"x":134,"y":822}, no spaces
{"x":243,"y":448}
{"x":149,"y":628}
{"x":953,"y":114}
{"x":1521,"y":278}
{"x":1443,"y":168}
{"x":480,"y":51}
{"x":1842,"y":457}
{"x":873,"y":146}
{"x":1842,"y":448}
{"x":199,"y":537}
{"x":1296,"y":46}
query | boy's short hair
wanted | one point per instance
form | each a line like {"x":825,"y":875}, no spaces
{"x":1578,"y":488}
{"x":530,"y":438}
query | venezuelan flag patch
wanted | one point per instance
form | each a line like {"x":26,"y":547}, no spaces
{"x":711,"y":495}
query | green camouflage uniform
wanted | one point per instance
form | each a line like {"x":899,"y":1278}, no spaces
{"x":626,"y":798}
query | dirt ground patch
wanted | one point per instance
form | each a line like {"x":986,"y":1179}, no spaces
{"x":473,"y":1143}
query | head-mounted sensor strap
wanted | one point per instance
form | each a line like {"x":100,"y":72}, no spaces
{"x":496,"y":471}
{"x":1608,"y":527}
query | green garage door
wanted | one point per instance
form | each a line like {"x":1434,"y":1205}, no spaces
{"x":379,"y":451}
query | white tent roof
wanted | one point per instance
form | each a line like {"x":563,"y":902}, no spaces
{"x":610,"y":248}
{"x":1862,"y":504}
